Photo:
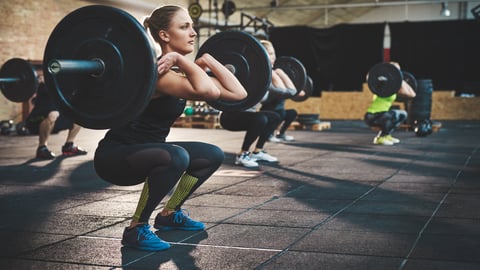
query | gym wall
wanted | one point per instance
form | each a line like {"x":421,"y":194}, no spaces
{"x":25,"y":28}
{"x":26,"y":25}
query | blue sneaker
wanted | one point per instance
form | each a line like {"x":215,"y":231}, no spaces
{"x":143,"y":238}
{"x":177,"y":221}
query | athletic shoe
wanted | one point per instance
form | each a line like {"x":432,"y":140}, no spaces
{"x":285,"y":138}
{"x":141,"y":237}
{"x":383,"y":140}
{"x":263,"y":156}
{"x":177,"y":221}
{"x":245,"y":160}
{"x":392,"y":139}
{"x":44,"y":153}
{"x":274,"y":139}
{"x":73,"y":150}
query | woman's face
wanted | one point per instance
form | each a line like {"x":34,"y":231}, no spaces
{"x":180,"y":37}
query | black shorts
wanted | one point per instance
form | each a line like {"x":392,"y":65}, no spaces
{"x":33,"y":123}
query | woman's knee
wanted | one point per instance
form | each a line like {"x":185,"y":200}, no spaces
{"x":260,"y":120}
{"x":217,"y":155}
{"x":53,"y":116}
{"x":179,"y":158}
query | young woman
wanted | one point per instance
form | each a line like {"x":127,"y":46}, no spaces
{"x":138,"y":152}
{"x":259,"y":124}
{"x":276,"y":102}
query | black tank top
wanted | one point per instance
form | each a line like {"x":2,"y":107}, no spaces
{"x":153,"y":124}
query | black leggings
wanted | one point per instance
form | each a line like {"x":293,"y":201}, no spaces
{"x":257,"y":124}
{"x":387,"y":121}
{"x":287,"y":116}
{"x":162,"y":163}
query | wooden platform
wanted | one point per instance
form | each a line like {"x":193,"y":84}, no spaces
{"x":323,"y":125}
{"x":406,"y":127}
{"x":198,"y":121}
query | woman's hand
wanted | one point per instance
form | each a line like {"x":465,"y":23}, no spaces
{"x":166,"y":62}
{"x":287,"y":81}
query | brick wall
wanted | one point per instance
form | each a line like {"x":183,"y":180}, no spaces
{"x":24,"y":30}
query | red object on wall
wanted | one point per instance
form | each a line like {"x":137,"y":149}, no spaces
{"x":386,"y":54}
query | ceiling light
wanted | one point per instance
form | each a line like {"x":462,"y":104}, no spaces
{"x":445,"y":11}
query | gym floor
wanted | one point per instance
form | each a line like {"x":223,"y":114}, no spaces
{"x":335,"y":201}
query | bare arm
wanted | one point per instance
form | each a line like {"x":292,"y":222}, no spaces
{"x":193,"y":83}
{"x":278,"y":87}
{"x":285,"y":79}
{"x":406,"y":90}
{"x":230,"y":87}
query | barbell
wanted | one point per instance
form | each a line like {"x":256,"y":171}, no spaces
{"x":385,"y":79}
{"x":18,"y":80}
{"x":308,"y":90}
{"x":99,"y":67}
{"x":297,"y":72}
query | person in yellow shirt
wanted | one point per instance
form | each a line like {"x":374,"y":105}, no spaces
{"x":380,"y":114}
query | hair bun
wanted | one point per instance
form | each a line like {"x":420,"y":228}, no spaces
{"x":146,"y":22}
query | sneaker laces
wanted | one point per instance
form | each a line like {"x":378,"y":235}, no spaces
{"x":179,"y":216}
{"x":146,"y":232}
{"x":245,"y":155}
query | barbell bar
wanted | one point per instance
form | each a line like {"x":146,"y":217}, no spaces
{"x":385,"y":79}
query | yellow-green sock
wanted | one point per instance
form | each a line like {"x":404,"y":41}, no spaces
{"x":142,"y":202}
{"x":184,"y":187}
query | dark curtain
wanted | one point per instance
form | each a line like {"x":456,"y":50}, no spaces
{"x":336,"y":58}
{"x":448,"y":52}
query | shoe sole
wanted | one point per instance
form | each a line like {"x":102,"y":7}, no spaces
{"x":263,"y":160}
{"x":45,"y":158}
{"x":246,"y":166}
{"x":74,"y":154}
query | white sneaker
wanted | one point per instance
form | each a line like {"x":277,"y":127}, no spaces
{"x":285,"y":138}
{"x":392,"y":139}
{"x":274,"y":139}
{"x":245,"y":160}
{"x":263,"y":156}
{"x":383,"y":140}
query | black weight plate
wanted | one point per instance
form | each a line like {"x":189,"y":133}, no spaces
{"x":27,"y":84}
{"x":124,"y":89}
{"x":294,"y":69}
{"x":410,"y":79}
{"x":308,"y":89}
{"x":250,"y":61}
{"x":384,"y":79}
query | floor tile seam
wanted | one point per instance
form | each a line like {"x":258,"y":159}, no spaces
{"x":420,"y":234}
{"x":72,"y":237}
{"x":59,"y":262}
{"x":403,"y":216}
{"x":212,"y":191}
{"x":346,"y":254}
{"x":222,"y":221}
{"x":225,"y":246}
{"x":331,"y":217}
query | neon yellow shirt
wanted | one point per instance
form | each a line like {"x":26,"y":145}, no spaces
{"x":381,"y":104}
